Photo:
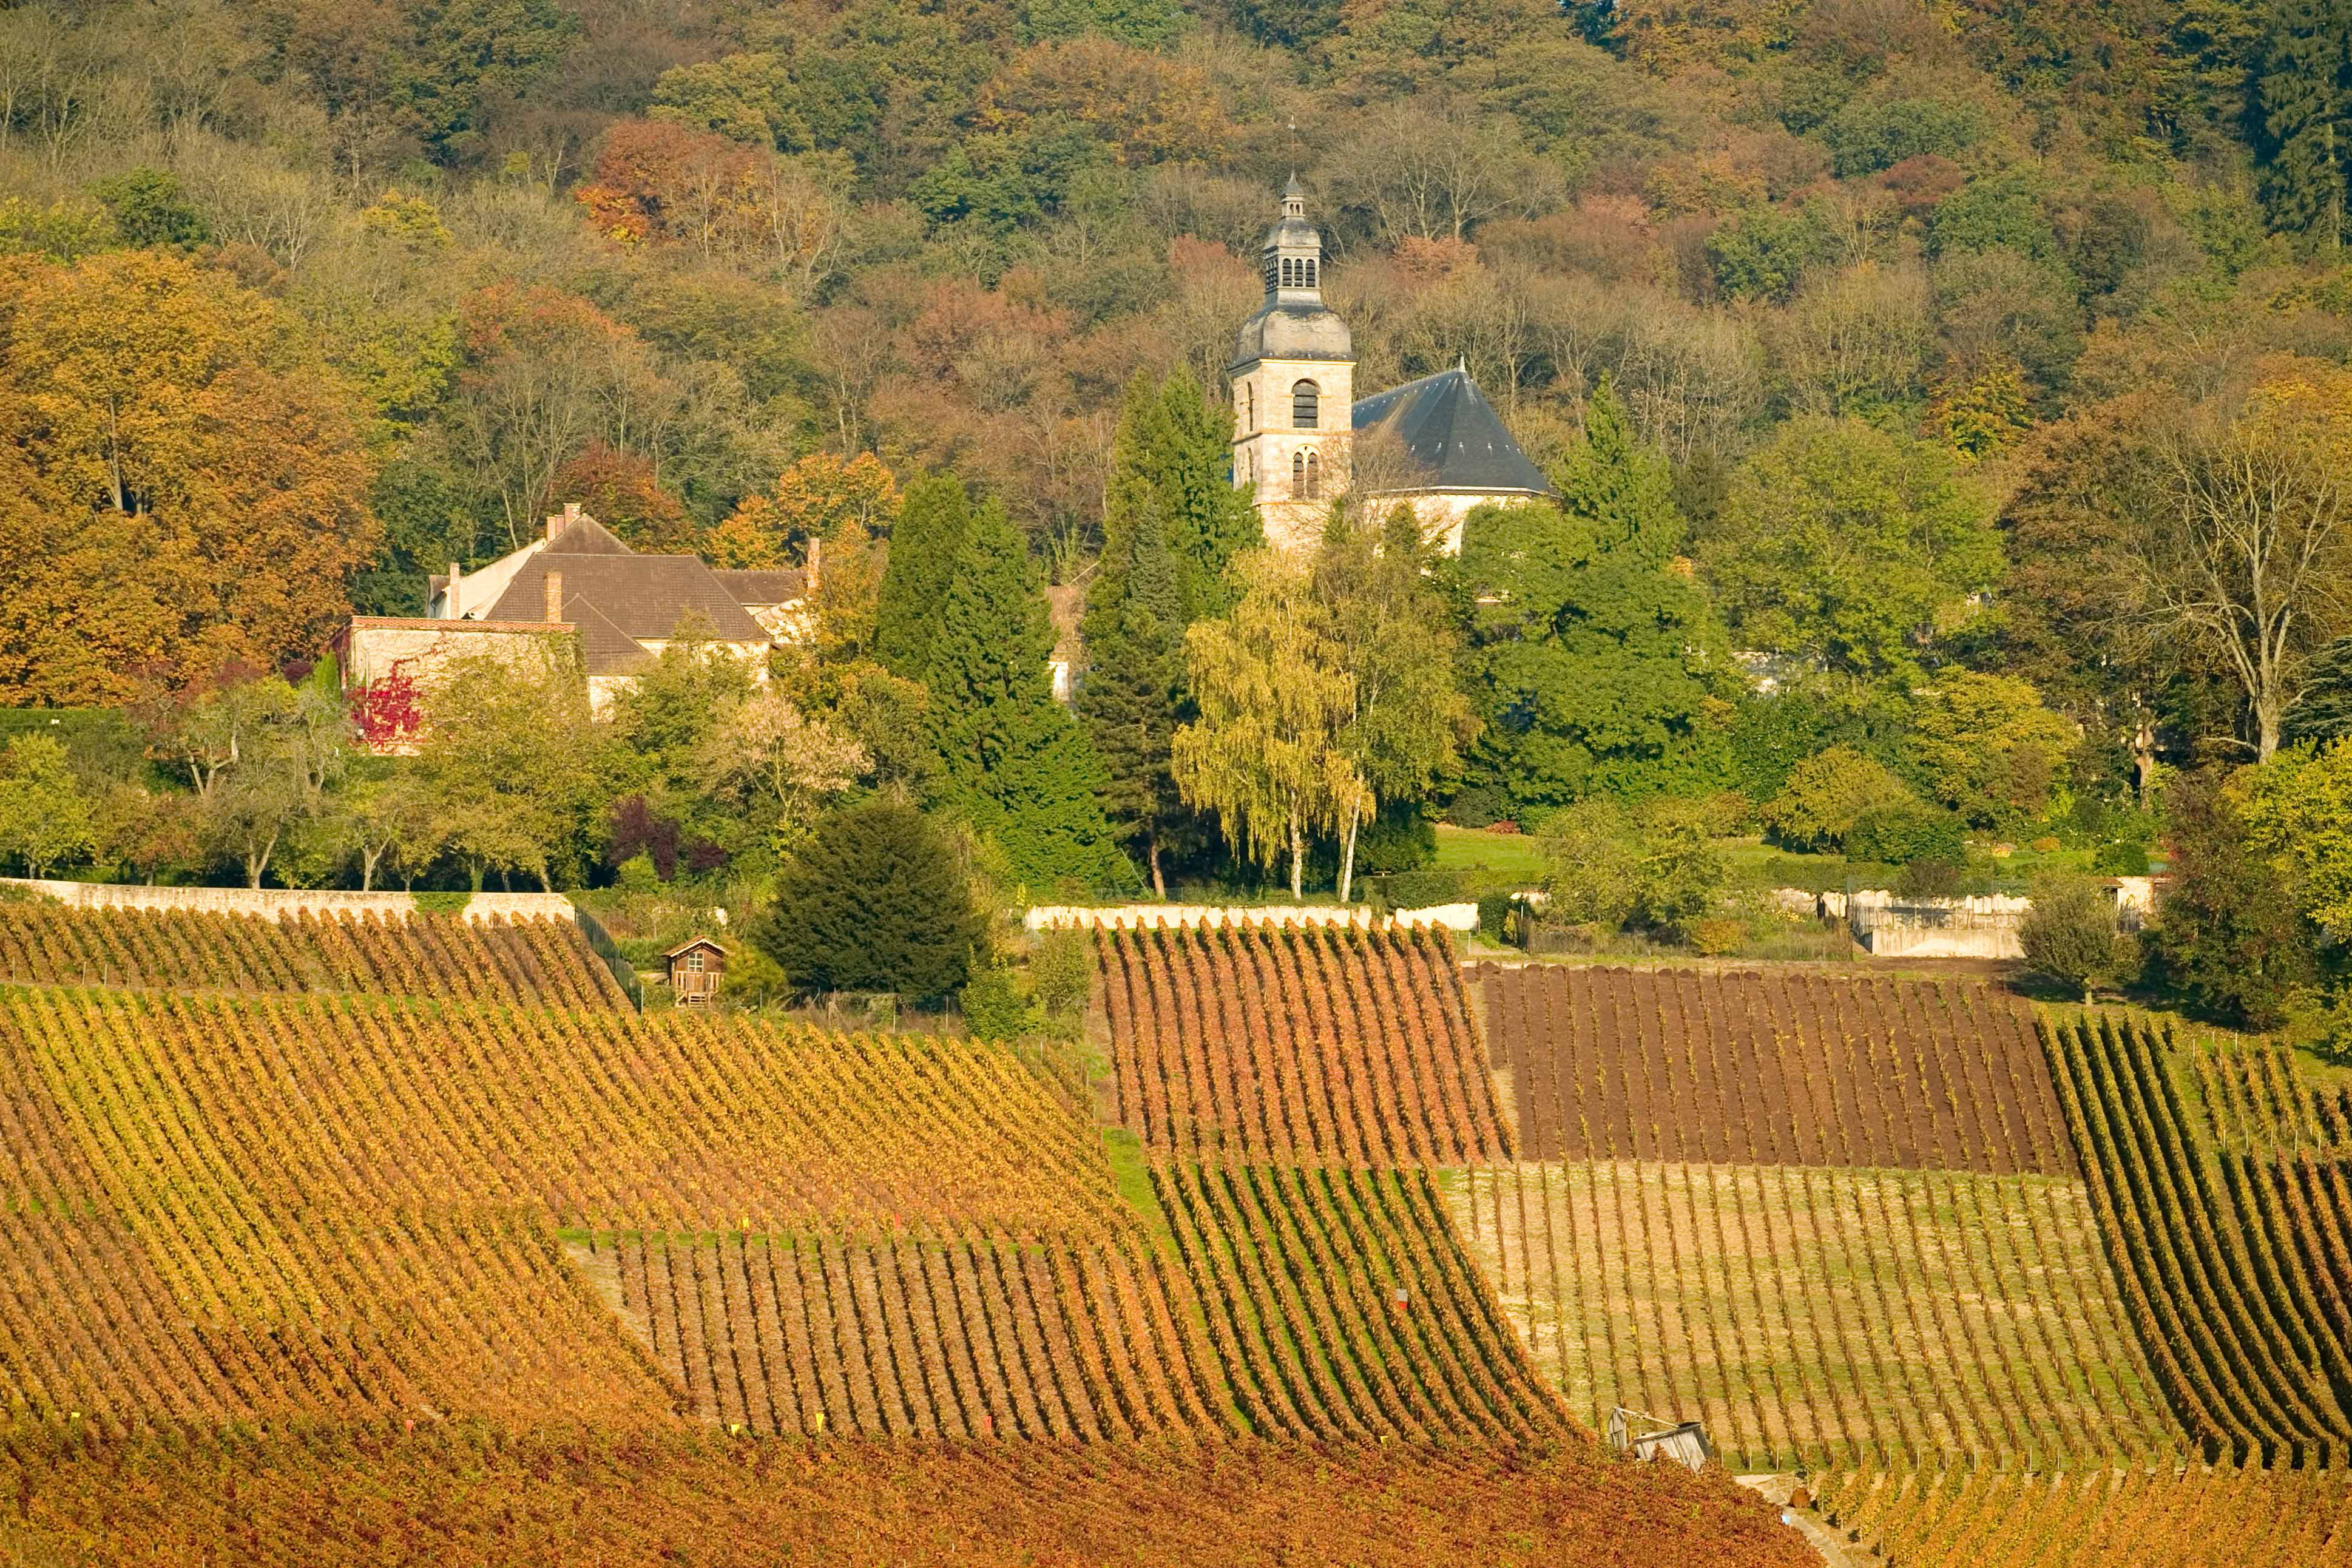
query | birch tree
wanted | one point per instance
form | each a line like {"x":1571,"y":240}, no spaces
{"x":1275,"y":698}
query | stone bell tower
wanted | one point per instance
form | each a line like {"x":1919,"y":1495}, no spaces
{"x":1294,"y":383}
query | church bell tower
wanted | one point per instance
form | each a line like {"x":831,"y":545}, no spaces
{"x":1294,"y":384}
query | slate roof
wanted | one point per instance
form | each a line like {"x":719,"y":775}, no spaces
{"x":1454,"y":433}
{"x":780,"y":587}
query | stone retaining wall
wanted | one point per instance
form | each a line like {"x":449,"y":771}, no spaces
{"x":1144,"y":917}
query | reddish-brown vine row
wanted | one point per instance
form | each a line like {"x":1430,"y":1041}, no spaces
{"x":1314,"y":1044}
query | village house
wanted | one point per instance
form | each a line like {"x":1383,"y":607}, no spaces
{"x":580,"y":579}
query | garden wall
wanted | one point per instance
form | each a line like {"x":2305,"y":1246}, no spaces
{"x":277,"y":903}
{"x":1145,"y":917}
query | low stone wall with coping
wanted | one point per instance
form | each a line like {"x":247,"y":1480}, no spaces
{"x":278,"y":903}
{"x":1147,"y":917}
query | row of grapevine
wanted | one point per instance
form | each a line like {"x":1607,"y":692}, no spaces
{"x":1341,"y":1306}
{"x":534,"y":960}
{"x":1821,"y":1317}
{"x":2212,"y":1250}
{"x":364,"y":1497}
{"x":1778,"y":1069}
{"x":609,"y":1121}
{"x":2196,"y":1518}
{"x":1320,"y":1043}
{"x":905,"y":1339}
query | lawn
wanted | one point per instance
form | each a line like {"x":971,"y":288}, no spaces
{"x":1475,"y":849}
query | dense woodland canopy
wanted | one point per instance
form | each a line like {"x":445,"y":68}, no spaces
{"x":1948,"y":400}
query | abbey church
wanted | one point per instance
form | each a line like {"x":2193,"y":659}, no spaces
{"x":1297,"y":422}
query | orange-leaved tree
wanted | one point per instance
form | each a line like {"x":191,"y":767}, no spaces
{"x":816,"y":498}
{"x":186,"y":483}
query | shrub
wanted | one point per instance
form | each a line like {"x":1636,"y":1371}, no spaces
{"x":992,"y":1007}
{"x":636,"y":874}
{"x":1417,"y":889}
{"x":1494,"y":910}
{"x":1591,"y":866}
{"x":2070,"y":933}
{"x":873,"y":902}
{"x":1930,"y":879}
{"x":1827,"y":794}
{"x":443,"y":903}
{"x":1395,"y":841}
{"x":1716,"y":935}
{"x":1902,"y":834}
{"x":2120,"y":860}
{"x":1728,"y":814}
{"x":1062,"y":970}
{"x":2045,"y":845}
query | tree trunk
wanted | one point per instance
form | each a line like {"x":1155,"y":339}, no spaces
{"x":1348,"y":855}
{"x":254,"y":865}
{"x":1297,"y":859}
{"x":1158,"y":879}
{"x":2266,"y":725}
{"x":2143,"y":752}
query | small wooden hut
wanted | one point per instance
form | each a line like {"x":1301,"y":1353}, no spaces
{"x":694,"y":966}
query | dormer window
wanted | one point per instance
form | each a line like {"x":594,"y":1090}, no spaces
{"x":1305,"y":401}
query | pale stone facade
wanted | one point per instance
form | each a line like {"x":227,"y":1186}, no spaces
{"x":1296,"y":418}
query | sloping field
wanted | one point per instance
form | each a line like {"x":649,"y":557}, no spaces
{"x":229,"y":1206}
{"x":2229,"y":1239}
{"x":367,"y":1497}
{"x":907,"y":1339}
{"x":1342,"y":1306}
{"x":538,"y":961}
{"x":1818,"y":1317}
{"x":1298,"y":1046}
{"x":1748,"y":1068}
{"x":603,"y":1121}
{"x":2098,"y":1518}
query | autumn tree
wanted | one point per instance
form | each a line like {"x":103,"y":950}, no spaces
{"x":817,"y":498}
{"x":509,"y":758}
{"x":185,"y":484}
{"x":618,"y":489}
{"x":2249,"y":551}
{"x":45,"y":818}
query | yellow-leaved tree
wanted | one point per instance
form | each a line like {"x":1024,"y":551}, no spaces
{"x":185,"y":486}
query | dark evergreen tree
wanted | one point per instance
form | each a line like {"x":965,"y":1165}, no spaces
{"x":2305,"y":92}
{"x":1173,"y":459}
{"x":874,"y":902}
{"x":924,"y":543}
{"x":1131,"y":698}
{"x":1594,"y":657}
{"x":1013,"y":759}
{"x":2323,"y":710}
{"x":2229,"y":938}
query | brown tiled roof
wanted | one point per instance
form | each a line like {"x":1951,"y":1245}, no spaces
{"x":584,"y":535}
{"x":636,"y":598}
{"x":780,"y":586}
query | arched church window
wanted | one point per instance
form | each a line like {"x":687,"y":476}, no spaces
{"x":1309,"y":267}
{"x":1303,"y":403}
{"x":1297,"y":475}
{"x":1314,"y":477}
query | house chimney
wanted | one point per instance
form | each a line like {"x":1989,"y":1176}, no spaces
{"x":558,"y":521}
{"x":554,"y":596}
{"x":815,"y":562}
{"x":452,"y":607}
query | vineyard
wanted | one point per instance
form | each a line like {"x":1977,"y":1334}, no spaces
{"x":222,"y":1207}
{"x":910,"y":1340}
{"x":1341,"y":1306}
{"x":1822,"y":1317}
{"x":1298,"y":1046}
{"x":2191,"y":1518}
{"x":1772,"y":1068}
{"x":540,"y":961}
{"x":366,"y":1498}
{"x":2231,"y":1238}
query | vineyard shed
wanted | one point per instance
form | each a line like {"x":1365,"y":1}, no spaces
{"x":694,"y":966}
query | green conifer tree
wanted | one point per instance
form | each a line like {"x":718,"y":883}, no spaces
{"x":1013,"y":759}
{"x":2306,"y":90}
{"x":1173,"y":456}
{"x":924,"y":543}
{"x":1592,"y":654}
